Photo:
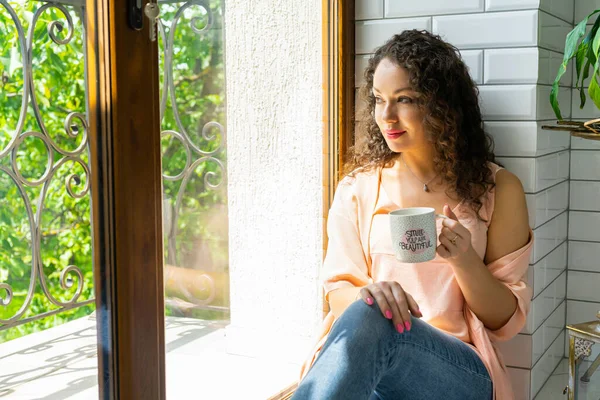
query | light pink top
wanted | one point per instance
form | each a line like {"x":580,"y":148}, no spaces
{"x":360,"y":252}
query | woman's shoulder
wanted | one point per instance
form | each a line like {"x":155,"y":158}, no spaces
{"x":357,"y":188}
{"x":506,"y":186}
{"x":494,"y":168}
{"x":360,"y":177}
{"x":504,"y":178}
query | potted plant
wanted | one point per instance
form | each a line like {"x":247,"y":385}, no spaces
{"x":585,"y":49}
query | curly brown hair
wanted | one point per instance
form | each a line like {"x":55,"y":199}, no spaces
{"x":452,"y":118}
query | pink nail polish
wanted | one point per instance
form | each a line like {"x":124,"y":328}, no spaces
{"x":369,"y":301}
{"x":399,"y":328}
{"x":407,"y":325}
{"x":388,"y":314}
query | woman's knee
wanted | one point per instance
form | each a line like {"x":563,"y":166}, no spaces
{"x":364,"y":322}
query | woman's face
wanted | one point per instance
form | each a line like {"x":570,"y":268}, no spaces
{"x":397,"y":110}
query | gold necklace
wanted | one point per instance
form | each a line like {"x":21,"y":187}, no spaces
{"x":425,"y":184}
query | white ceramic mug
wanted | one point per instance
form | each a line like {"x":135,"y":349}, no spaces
{"x":414,"y":234}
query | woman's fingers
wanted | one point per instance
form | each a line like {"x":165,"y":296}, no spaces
{"x":393,"y":302}
{"x":413,"y":306}
{"x":381,"y":300}
{"x":402,"y":323}
{"x":443,"y":251}
{"x":397,"y":313}
{"x":366,"y":296}
{"x":450,"y":234}
{"x":456,"y":227}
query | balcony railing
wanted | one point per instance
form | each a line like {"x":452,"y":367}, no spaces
{"x":44,"y":152}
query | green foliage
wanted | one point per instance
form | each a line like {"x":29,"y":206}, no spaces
{"x":64,"y":221}
{"x":64,"y":226}
{"x":586,"y":55}
{"x":199,"y":83}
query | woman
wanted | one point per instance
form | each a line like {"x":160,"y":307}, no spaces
{"x":421,"y":331}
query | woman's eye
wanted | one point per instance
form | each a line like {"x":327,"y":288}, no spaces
{"x":378,"y":100}
{"x":406,"y":100}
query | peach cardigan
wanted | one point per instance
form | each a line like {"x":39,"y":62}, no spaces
{"x":359,"y":253}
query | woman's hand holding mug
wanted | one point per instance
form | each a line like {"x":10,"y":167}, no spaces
{"x":455,"y":239}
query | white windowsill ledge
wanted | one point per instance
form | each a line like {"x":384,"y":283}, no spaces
{"x":60,"y":363}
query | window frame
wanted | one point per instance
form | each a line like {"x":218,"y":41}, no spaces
{"x":126,"y":194}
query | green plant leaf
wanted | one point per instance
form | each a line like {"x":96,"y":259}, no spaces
{"x":594,"y":91}
{"x":586,"y":74}
{"x":579,"y":60}
{"x":592,"y":59}
{"x":571,"y":47}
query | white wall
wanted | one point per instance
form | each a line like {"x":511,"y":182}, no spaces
{"x":513,"y":49}
{"x":583,"y":290}
{"x":274,"y":152}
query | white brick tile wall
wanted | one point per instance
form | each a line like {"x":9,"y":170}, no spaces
{"x":511,"y":5}
{"x":512,"y":65}
{"x":585,"y":195}
{"x":525,"y":138}
{"x":545,"y":271}
{"x":585,"y":7}
{"x":545,"y":303}
{"x":548,"y":237}
{"x":523,"y":351}
{"x":553,"y":31}
{"x":544,"y":367}
{"x":585,"y":164}
{"x":584,"y":256}
{"x":509,"y":102}
{"x":521,"y":382}
{"x":560,"y":8}
{"x":528,"y":382}
{"x":584,"y":144}
{"x":547,"y":204}
{"x":580,"y":311}
{"x":372,"y":34}
{"x":520,"y":102}
{"x":489,"y":30}
{"x":368,"y":9}
{"x":395,"y":8}
{"x":524,"y":65}
{"x":474,"y":60}
{"x":584,"y":225}
{"x":537,"y":174}
{"x":584,"y":286}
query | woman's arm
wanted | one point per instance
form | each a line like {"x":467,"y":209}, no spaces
{"x":340,"y":299}
{"x":492,"y":302}
{"x":345,"y":269}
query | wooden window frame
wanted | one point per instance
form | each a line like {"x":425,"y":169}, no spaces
{"x":338,"y":97}
{"x":338,"y":91}
{"x":123,"y":92}
{"x":126,"y":161}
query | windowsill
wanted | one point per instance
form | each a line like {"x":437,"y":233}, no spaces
{"x":61,"y":363}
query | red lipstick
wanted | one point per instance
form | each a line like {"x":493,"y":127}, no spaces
{"x":394,"y":133}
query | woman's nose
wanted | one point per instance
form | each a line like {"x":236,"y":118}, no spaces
{"x":390,"y":115}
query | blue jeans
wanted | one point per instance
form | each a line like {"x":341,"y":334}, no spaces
{"x":365,"y":358}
